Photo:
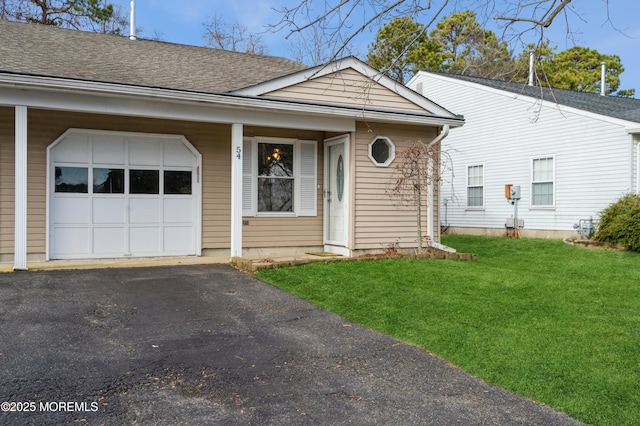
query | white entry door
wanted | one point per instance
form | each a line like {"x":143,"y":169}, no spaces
{"x":336,"y":190}
{"x":115,"y":194}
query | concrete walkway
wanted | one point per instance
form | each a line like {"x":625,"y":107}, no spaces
{"x":250,"y":263}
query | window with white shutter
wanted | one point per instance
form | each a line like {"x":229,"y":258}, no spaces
{"x":308,"y":155}
{"x":279,"y":177}
{"x":248,"y":206}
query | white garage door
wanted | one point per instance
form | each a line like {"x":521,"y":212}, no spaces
{"x":115,"y":194}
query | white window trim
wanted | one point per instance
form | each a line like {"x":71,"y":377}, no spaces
{"x":392,"y":152}
{"x":298,"y":174}
{"x":553,"y":181}
{"x":467,"y":186}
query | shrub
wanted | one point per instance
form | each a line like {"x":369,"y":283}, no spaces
{"x":620,"y":223}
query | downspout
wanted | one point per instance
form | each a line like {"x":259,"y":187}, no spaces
{"x":430,"y":196}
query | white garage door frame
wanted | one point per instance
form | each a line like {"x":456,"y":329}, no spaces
{"x":173,"y":219}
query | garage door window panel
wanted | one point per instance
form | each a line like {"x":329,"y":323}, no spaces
{"x":144,"y":182}
{"x":72,"y":179}
{"x":108,"y":181}
{"x":177,"y":182}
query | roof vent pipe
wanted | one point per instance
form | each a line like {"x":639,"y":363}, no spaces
{"x":603,"y":82}
{"x":132,"y":21}
{"x":531,"y":68}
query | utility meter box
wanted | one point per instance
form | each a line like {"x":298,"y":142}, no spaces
{"x":514,"y":192}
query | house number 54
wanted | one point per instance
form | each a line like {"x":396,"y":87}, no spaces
{"x":238,"y":153}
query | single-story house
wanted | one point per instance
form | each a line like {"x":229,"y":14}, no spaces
{"x":570,"y":153}
{"x":111,"y":147}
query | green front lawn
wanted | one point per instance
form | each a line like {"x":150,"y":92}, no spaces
{"x":556,"y":323}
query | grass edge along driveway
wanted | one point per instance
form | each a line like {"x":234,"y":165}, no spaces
{"x":555,"y":323}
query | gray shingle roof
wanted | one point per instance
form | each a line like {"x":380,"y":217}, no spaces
{"x":610,"y":106}
{"x":48,"y":51}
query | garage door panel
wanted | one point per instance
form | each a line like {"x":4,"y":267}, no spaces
{"x":109,"y":151}
{"x":74,"y":149}
{"x":70,"y":242}
{"x":115,"y":194}
{"x":144,"y":240}
{"x":144,"y":152}
{"x":178,"y":239}
{"x":178,"y":210}
{"x":109,"y":240}
{"x":144,"y":210}
{"x":71,"y":210}
{"x":109,"y":210}
{"x":178,"y":155}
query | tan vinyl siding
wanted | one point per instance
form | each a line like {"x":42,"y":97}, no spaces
{"x":211,"y":140}
{"x":347,"y":87}
{"x":378,"y":220}
{"x":7,"y":179}
{"x":264,"y":232}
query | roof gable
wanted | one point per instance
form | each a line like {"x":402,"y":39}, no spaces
{"x":627,"y":109}
{"x":44,"y":50}
{"x":349,"y":82}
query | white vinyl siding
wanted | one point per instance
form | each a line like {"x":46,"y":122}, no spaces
{"x":542,"y":182}
{"x":475,"y":186}
{"x":504,"y":131}
{"x":304,"y":178}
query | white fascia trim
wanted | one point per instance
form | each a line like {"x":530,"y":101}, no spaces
{"x":106,"y":98}
{"x":632,"y":130}
{"x":543,"y":102}
{"x":340,"y":65}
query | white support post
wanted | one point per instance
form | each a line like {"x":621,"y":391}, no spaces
{"x":20,"y":225}
{"x":236,"y":189}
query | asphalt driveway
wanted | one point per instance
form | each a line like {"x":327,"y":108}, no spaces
{"x":206,"y":344}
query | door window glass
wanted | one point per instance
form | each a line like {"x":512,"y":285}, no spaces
{"x":340,"y":177}
{"x":144,"y":182}
{"x":72,"y":179}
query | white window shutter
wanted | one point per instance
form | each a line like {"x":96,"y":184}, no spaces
{"x":308,"y":177}
{"x":248,"y":181}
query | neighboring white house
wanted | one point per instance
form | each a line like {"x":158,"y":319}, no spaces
{"x":571,"y":153}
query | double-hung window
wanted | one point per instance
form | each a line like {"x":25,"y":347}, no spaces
{"x":279,"y":177}
{"x":475,"y":186}
{"x":542,"y":181}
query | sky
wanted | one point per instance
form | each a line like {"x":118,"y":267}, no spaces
{"x":608,"y":26}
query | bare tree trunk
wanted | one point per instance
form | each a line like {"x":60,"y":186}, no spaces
{"x":419,"y":213}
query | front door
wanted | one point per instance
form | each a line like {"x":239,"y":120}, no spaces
{"x":336,"y":190}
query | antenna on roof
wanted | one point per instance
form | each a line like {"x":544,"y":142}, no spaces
{"x":603,"y":78}
{"x":132,"y":21}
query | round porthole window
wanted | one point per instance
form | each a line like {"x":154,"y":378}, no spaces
{"x":382,"y":151}
{"x":340,"y":178}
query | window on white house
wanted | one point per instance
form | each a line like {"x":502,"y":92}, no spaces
{"x":279,"y":177}
{"x":475,"y":186}
{"x":542,"y":182}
